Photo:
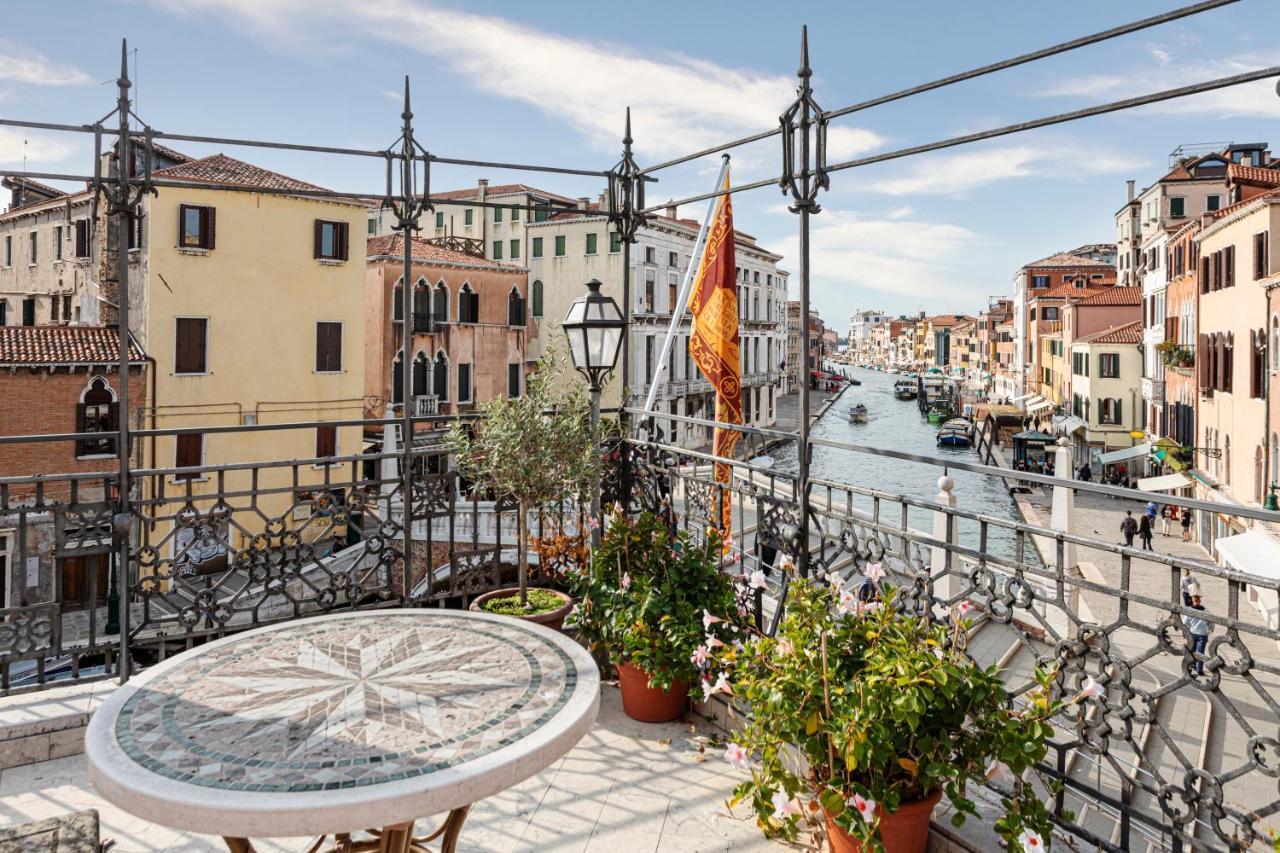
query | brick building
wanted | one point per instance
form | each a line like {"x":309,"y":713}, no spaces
{"x":59,"y":379}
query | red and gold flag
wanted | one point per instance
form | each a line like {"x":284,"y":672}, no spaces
{"x":714,"y":343}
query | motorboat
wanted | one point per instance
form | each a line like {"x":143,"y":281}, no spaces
{"x":904,"y":389}
{"x":957,"y":432}
{"x":853,"y":381}
{"x":858,"y":414}
{"x":940,"y":410}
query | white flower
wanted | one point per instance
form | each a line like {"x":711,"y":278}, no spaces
{"x":963,"y":608}
{"x":785,"y":647}
{"x":626,"y":580}
{"x":784,"y":806}
{"x":721,"y":685}
{"x":864,"y":807}
{"x":708,"y":620}
{"x":707,"y":689}
{"x":834,"y":579}
{"x":714,"y":642}
{"x":1031,"y":841}
{"x":848,"y":602}
{"x":1089,"y":689}
{"x":873,"y":572}
{"x":787,"y":564}
{"x":737,"y":757}
{"x":758,"y":580}
{"x":700,"y":655}
{"x":1000,"y":772}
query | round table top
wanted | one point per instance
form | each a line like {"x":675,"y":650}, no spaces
{"x":341,"y":722}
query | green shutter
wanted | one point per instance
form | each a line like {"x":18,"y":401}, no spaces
{"x":467,"y":216}
{"x":537,"y":247}
{"x":615,"y":241}
{"x":537,"y":299}
{"x":439,"y":218}
{"x":497,"y":250}
{"x":591,"y":244}
{"x":560,"y":247}
{"x":497,"y":214}
{"x":515,"y":250}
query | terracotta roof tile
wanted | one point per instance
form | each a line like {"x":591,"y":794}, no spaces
{"x":1068,"y":289}
{"x":1254,"y":175}
{"x":1129,"y":333}
{"x":41,"y":345}
{"x":1232,"y":208}
{"x":15,"y":182}
{"x":473,"y":193}
{"x":221,"y":169}
{"x":1066,"y":259}
{"x":391,"y":245}
{"x":1114,"y":296}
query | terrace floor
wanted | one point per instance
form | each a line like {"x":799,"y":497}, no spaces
{"x":627,"y":786}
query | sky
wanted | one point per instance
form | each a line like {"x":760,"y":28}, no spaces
{"x":548,"y":83}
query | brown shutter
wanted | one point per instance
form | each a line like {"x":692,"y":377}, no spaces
{"x":181,"y":346}
{"x":182,"y":218}
{"x":188,"y":453}
{"x":317,"y":239}
{"x":343,"y":233}
{"x":1229,"y":256}
{"x":210,"y":225}
{"x":201,"y":345}
{"x":321,"y":344}
{"x":1204,"y":274}
{"x":326,"y":441}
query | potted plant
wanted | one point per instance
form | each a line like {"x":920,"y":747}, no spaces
{"x":657,"y":604}
{"x":862,"y":717}
{"x":537,"y":450}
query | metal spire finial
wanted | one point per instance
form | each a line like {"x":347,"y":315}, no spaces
{"x":626,"y":136}
{"x":123,"y":80}
{"x":805,"y":71}
{"x":408,"y":113}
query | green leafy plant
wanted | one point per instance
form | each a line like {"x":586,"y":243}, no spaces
{"x":884,"y":708}
{"x":656,"y":600}
{"x":537,"y":601}
{"x":537,"y":449}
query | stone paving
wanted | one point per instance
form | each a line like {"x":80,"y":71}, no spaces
{"x":626,"y":786}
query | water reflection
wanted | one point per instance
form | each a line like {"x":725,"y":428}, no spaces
{"x":898,"y":425}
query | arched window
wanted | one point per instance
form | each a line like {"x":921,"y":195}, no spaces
{"x":1259,"y":473}
{"x":420,"y":375}
{"x":515,"y":308}
{"x":98,"y":411}
{"x":468,"y":305}
{"x":440,"y":302}
{"x":421,"y":306}
{"x":397,"y":379}
{"x":397,"y":300}
{"x":537,"y":299}
{"x":1228,"y":360}
{"x":440,"y":377}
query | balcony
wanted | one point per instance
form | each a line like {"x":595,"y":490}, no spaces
{"x":425,"y":324}
{"x":1153,"y":390}
{"x":426,"y":405}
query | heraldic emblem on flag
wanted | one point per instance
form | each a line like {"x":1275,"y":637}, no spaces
{"x":714,"y":343}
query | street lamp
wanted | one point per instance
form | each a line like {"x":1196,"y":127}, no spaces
{"x":594,"y":327}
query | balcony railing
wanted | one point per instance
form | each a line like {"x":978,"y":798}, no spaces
{"x":425,"y":324}
{"x":426,"y":405}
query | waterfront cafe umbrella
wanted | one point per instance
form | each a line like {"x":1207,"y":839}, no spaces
{"x":1166,"y":483}
{"x":1256,"y":552}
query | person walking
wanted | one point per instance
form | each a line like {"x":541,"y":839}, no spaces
{"x":1128,"y":527}
{"x":1186,"y":524}
{"x":1086,"y":473}
{"x":1166,"y":514}
{"x":1198,"y":628}
{"x":1145,"y":532}
{"x":1190,"y":587}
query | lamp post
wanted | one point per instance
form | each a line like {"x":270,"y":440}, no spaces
{"x":594,"y":327}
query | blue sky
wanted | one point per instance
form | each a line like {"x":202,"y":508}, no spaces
{"x":548,"y":82}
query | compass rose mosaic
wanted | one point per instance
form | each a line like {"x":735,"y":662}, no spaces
{"x":346,"y":703}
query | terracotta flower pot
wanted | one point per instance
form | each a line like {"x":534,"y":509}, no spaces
{"x":553,"y":619}
{"x":649,"y":704}
{"x":904,"y":831}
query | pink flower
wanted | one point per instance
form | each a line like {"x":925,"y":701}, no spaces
{"x":783,"y":806}
{"x":864,"y":807}
{"x":1089,"y":689}
{"x":787,"y":564}
{"x":785,"y":647}
{"x":1031,"y":841}
{"x":737,"y":558}
{"x":758,"y":580}
{"x":722,"y":685}
{"x":626,"y":580}
{"x":869,"y":607}
{"x":708,"y":620}
{"x":964,"y":607}
{"x":873,"y":572}
{"x":713,"y":642}
{"x":737,"y":757}
{"x":593,"y":523}
{"x":848,"y":602}
{"x":700,"y":655}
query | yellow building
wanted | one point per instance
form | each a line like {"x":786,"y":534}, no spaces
{"x":251,"y":307}
{"x":1053,"y":376}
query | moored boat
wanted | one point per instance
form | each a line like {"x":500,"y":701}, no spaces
{"x":940,"y":410}
{"x":904,"y":389}
{"x":957,"y":432}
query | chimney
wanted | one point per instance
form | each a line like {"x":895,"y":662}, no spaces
{"x":604,"y":201}
{"x":584,"y":203}
{"x":671,"y":210}
{"x":1206,"y":219}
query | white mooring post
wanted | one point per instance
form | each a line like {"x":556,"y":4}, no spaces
{"x":1064,"y":500}
{"x":947,"y":581}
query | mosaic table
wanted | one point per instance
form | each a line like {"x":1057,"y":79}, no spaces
{"x":329,"y":725}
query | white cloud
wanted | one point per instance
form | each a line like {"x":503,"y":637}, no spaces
{"x":1167,"y":70}
{"x":22,"y":65}
{"x":37,"y":149}
{"x":957,"y":174}
{"x":853,"y":256}
{"x":679,"y":103}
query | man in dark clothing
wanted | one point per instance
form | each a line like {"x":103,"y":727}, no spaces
{"x":1199,"y":630}
{"x":1128,"y":527}
{"x":1086,"y":473}
{"x":1186,"y":524}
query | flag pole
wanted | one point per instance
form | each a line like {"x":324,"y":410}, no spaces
{"x":682,"y":302}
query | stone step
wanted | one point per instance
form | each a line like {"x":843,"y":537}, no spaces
{"x":48,"y":724}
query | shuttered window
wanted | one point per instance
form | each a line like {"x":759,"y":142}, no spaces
{"x":468,"y":306}
{"x":560,"y":247}
{"x":514,"y":254}
{"x":326,"y":442}
{"x":513,"y":381}
{"x":189,"y":454}
{"x":464,"y":383}
{"x":196,"y":226}
{"x":1229,"y":274}
{"x":328,"y":347}
{"x":537,"y":298}
{"x":537,"y":247}
{"x":515,"y":309}
{"x":330,"y":239}
{"x":191,"y":345}
{"x":591,"y":244}
{"x":82,"y":238}
{"x":1260,"y":255}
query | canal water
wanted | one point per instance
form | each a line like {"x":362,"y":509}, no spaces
{"x":898,"y":425}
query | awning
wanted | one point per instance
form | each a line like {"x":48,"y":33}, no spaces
{"x":1167,"y":483}
{"x":1069,"y":424}
{"x":1256,"y":553}
{"x":1038,"y":404}
{"x":1125,"y":453}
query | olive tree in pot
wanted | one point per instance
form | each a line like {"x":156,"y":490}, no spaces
{"x":885,"y":713}
{"x":537,"y":450}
